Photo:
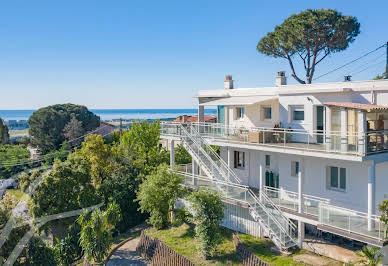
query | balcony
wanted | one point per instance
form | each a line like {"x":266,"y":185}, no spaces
{"x":333,"y":142}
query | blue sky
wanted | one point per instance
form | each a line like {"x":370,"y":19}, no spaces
{"x":154,"y":54}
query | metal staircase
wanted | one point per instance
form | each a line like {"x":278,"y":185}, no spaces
{"x":281,"y":230}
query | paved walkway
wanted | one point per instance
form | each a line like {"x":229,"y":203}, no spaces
{"x":126,"y":254}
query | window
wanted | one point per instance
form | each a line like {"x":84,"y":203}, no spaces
{"x":294,"y":168}
{"x":337,"y":178}
{"x":267,"y":112}
{"x":267,"y":160}
{"x":239,"y":159}
{"x":297,"y":113}
{"x":239,"y":112}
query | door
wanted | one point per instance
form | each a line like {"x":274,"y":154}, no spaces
{"x":320,"y":124}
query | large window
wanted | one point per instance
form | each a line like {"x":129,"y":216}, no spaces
{"x":336,"y":178}
{"x":239,"y":159}
{"x":267,"y":113}
{"x":297,"y":113}
{"x":239,"y":112}
{"x":294,"y":168}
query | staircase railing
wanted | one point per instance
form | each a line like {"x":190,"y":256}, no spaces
{"x":281,"y":229}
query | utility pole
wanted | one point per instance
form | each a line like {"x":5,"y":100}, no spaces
{"x":121,"y":128}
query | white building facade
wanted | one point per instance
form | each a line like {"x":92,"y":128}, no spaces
{"x":319,"y":152}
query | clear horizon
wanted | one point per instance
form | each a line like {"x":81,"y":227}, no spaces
{"x":157,"y":55}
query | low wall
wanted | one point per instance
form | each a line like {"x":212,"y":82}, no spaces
{"x":156,"y":253}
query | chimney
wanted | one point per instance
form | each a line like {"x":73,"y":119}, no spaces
{"x":347,"y":78}
{"x":228,"y":83}
{"x":281,"y":78}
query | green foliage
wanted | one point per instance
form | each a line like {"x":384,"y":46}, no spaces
{"x":371,"y":256}
{"x":65,"y":188}
{"x":47,"y":124}
{"x":182,"y":156}
{"x":10,"y":155}
{"x":4,"y":133}
{"x":158,"y":193}
{"x":383,"y":208}
{"x":140,"y":148}
{"x":96,"y":231}
{"x":37,"y":253}
{"x":99,"y":156}
{"x":311,"y":35}
{"x":67,"y":250}
{"x":382,"y":76}
{"x":208,"y":211}
{"x":25,"y":179}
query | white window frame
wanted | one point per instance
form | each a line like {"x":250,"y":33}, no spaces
{"x":263,"y":110}
{"x":238,"y":113}
{"x":292,"y":109}
{"x":340,"y":170}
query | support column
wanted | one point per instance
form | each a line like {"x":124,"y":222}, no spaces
{"x":371,"y":195}
{"x":194,"y":171}
{"x":201,"y":117}
{"x":344,"y":130}
{"x":361,"y":125}
{"x":172,"y":154}
{"x":328,"y":128}
{"x":261,"y":172}
{"x":229,"y":160}
{"x":300,"y":203}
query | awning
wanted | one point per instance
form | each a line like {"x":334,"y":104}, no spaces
{"x":238,"y":101}
{"x":359,"y":106}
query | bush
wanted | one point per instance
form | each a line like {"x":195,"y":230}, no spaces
{"x":208,"y":210}
{"x":67,"y":250}
{"x":182,"y":156}
{"x":158,"y":194}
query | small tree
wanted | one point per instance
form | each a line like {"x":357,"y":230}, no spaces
{"x":311,"y":35}
{"x":37,"y":253}
{"x":371,"y":256}
{"x":383,"y":208}
{"x":96,"y":231}
{"x":208,"y":210}
{"x":182,"y":156}
{"x":158,"y":194}
{"x":67,"y":250}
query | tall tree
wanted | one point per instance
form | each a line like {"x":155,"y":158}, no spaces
{"x":47,"y":124}
{"x":4,"y":134}
{"x":311,"y":36}
{"x":73,"y":130}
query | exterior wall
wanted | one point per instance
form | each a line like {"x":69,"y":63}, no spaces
{"x":315,"y":177}
{"x":253,"y":115}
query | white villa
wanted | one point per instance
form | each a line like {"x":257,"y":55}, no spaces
{"x":294,"y":157}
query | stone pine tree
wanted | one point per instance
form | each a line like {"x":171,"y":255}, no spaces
{"x":310,"y":37}
{"x":4,"y":135}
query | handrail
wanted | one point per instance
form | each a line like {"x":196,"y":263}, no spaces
{"x":257,"y":201}
{"x":273,"y":129}
{"x":207,"y":145}
{"x":296,"y":194}
{"x":199,"y":148}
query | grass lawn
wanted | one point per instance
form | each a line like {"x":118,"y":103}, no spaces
{"x":182,"y":240}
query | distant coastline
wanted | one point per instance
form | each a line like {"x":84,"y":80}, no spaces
{"x":113,"y":114}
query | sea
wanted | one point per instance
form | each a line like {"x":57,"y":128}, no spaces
{"x":114,"y":114}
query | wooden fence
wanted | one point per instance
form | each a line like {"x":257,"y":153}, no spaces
{"x":155,"y":252}
{"x":247,"y":257}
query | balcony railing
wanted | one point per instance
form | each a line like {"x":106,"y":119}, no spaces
{"x":289,"y":199}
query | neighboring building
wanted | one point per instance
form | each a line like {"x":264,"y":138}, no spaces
{"x":315,"y":156}
{"x":194,"y":119}
{"x":104,"y":129}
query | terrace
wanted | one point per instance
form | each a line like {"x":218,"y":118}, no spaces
{"x":328,"y":142}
